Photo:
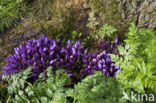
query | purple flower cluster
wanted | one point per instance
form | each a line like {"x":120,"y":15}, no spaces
{"x":101,"y":62}
{"x":46,"y":52}
{"x":110,"y":47}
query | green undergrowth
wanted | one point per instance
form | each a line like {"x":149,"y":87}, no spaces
{"x":56,"y":87}
{"x":93,"y":89}
{"x":10,"y":13}
{"x":138,"y":60}
{"x":137,"y":74}
{"x":55,"y":19}
{"x":3,"y":92}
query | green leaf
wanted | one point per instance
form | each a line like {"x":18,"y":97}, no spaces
{"x":114,"y":57}
{"x":31,"y":93}
{"x":44,"y":100}
{"x":74,"y":33}
{"x":20,"y":92}
{"x":49,"y":71}
{"x":41,"y":75}
{"x":49,"y":92}
{"x":17,"y":98}
{"x":10,"y":90}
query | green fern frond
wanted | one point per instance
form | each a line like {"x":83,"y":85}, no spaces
{"x":139,"y":62}
{"x":106,"y":31}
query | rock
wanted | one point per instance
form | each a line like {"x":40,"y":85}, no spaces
{"x":144,"y":9}
{"x":30,"y":33}
{"x":147,"y":17}
{"x":14,"y":38}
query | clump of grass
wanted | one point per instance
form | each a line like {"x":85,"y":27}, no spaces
{"x":10,"y":12}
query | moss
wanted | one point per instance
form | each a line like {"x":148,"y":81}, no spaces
{"x":59,"y":19}
{"x":48,"y":16}
{"x":109,"y":12}
{"x":18,"y":30}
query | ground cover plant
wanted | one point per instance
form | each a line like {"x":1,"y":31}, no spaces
{"x":45,"y":52}
{"x":43,"y":90}
{"x":54,"y":88}
{"x":77,"y":51}
{"x":138,"y":61}
{"x":75,"y":75}
{"x":10,"y":12}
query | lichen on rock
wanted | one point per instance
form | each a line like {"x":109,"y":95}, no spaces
{"x":144,"y":10}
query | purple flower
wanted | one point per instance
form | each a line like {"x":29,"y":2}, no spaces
{"x":100,"y":62}
{"x":45,"y":52}
{"x":110,"y":47}
{"x":116,"y":39}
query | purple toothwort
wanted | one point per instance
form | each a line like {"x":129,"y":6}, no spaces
{"x":45,"y":52}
